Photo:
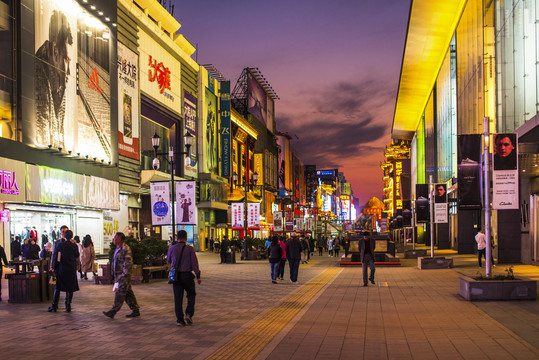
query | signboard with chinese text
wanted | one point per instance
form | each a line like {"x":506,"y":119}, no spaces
{"x":237,"y":215}
{"x":278,"y":221}
{"x":190,"y":120}
{"x":128,"y":103}
{"x":253,"y":216}
{"x":299,"y":224}
{"x":289,"y":221}
{"x":12,"y":180}
{"x":160,"y":73}
{"x":226,"y":163}
{"x":160,"y":196}
{"x":186,"y":210}
{"x":309,"y":224}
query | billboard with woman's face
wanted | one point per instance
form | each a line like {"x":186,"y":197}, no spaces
{"x":72,"y":82}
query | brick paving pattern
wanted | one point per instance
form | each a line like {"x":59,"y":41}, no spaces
{"x":408,"y":314}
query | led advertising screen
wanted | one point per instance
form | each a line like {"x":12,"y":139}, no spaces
{"x":257,"y":100}
{"x":72,"y":81}
{"x":190,"y":120}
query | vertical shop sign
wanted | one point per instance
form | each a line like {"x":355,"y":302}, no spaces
{"x":210,"y":133}
{"x":440,"y":203}
{"x":225,"y":129}
{"x":505,"y":174}
{"x":253,"y":216}
{"x":422,"y":203}
{"x":299,"y":224}
{"x":128,"y":103}
{"x":190,"y":119}
{"x":308,"y":224}
{"x":237,"y":216}
{"x":289,"y":221}
{"x":278,"y":221}
{"x":185,"y":203}
{"x":469,"y":155}
{"x":160,"y":193}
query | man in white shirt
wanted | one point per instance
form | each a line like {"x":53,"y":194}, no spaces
{"x":481,"y":240}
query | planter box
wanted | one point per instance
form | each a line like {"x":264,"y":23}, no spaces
{"x":414,"y":254}
{"x":521,"y":289}
{"x":424,"y":263}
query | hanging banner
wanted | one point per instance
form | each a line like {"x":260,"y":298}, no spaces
{"x":253,"y":216}
{"x":299,"y":224}
{"x":505,"y":174}
{"x":237,"y":216}
{"x":278,"y":221}
{"x":289,"y":221}
{"x":128,"y":103}
{"x":308,"y":224}
{"x":440,"y":203}
{"x":468,"y":169}
{"x":422,"y":204}
{"x":160,"y":193}
{"x":190,"y":120}
{"x":225,"y":129}
{"x":185,"y":203}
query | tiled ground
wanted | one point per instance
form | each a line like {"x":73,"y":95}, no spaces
{"x":408,"y":314}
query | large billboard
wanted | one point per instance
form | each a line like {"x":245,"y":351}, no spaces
{"x":72,"y":81}
{"x":128,"y":103}
{"x":190,"y":120}
{"x":257,"y":98}
{"x":210,"y":133}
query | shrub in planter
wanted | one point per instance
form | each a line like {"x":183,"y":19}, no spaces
{"x":139,"y":250}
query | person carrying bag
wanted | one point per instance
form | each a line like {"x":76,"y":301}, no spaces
{"x":184,"y":263}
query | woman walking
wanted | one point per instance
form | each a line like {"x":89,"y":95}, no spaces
{"x":275,"y":254}
{"x":87,"y":257}
{"x":67,"y":256}
{"x":330,"y":247}
{"x":282,"y":263}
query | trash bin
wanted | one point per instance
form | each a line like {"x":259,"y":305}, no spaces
{"x":230,"y":257}
{"x":24,"y":288}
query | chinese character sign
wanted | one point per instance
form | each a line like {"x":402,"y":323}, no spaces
{"x":225,"y":129}
{"x":309,"y":224}
{"x":128,"y":103}
{"x":190,"y":119}
{"x":237,"y":216}
{"x":160,"y":194}
{"x":159,"y":73}
{"x":289,"y":221}
{"x":185,"y":203}
{"x":253,"y":216}
{"x":299,"y":224}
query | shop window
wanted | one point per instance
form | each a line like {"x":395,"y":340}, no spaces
{"x":148,"y":128}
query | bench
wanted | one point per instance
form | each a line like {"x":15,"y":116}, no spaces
{"x":148,"y":270}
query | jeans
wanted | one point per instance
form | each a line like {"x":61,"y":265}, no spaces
{"x":368,"y":259}
{"x":282,"y":263}
{"x":294,"y":267}
{"x":274,"y":270}
{"x":186,"y":282}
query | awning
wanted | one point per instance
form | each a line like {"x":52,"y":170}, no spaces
{"x":431,"y":25}
{"x":147,"y":176}
{"x":238,"y":195}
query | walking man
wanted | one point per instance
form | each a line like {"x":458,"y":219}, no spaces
{"x":481,"y":240}
{"x":122,"y":268}
{"x":293,"y":254}
{"x":184,"y":259}
{"x":366,"y":247}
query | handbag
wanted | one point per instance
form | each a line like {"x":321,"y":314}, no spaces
{"x":174,"y":269}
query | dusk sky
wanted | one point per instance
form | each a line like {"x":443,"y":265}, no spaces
{"x":334,"y":64}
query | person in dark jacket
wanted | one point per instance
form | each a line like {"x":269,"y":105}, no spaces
{"x":3,"y":259}
{"x":184,"y":260}
{"x":46,"y":253}
{"x":66,"y":271}
{"x":293,"y":254}
{"x":224,"y":248}
{"x":275,"y":254}
{"x":16,"y":248}
{"x":366,"y":247}
{"x":25,"y":249}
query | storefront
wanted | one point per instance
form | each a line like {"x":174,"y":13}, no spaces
{"x":49,"y":198}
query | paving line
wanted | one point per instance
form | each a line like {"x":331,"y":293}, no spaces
{"x":251,"y":341}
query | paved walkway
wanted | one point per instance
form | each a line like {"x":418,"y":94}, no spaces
{"x":408,"y":314}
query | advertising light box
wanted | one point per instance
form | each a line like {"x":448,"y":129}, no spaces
{"x":72,"y":81}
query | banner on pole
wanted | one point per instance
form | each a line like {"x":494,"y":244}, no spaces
{"x":237,"y":216}
{"x":299,"y":224}
{"x":505,"y":173}
{"x":469,"y":180}
{"x":440,"y":203}
{"x":289,"y":221}
{"x":278,"y":221}
{"x":308,"y":224}
{"x":422,"y":203}
{"x":160,"y":193}
{"x":253,"y":216}
{"x":186,"y":210}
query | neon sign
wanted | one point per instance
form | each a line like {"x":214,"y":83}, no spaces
{"x":8,"y":182}
{"x":161,"y":74}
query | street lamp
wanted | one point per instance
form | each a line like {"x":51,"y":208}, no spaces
{"x":187,"y":141}
{"x":245,"y":186}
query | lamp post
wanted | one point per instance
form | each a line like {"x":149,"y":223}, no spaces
{"x":187,"y":141}
{"x":246,"y":187}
